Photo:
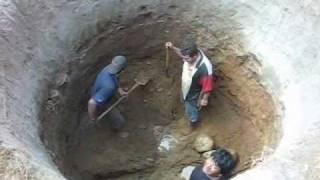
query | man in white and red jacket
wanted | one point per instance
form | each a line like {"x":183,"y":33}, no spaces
{"x":197,"y":79}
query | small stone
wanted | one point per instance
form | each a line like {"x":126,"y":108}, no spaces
{"x":169,"y":94}
{"x":53,"y":94}
{"x":62,"y":79}
{"x":148,"y":63}
{"x":207,"y":154}
{"x":157,"y":130}
{"x":120,"y":27}
{"x":124,"y":134}
{"x":160,"y":89}
{"x":167,"y":142}
{"x":145,"y":101}
{"x":203,"y":143}
{"x":142,"y":126}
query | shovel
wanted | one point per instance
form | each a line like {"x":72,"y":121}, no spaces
{"x":139,"y":82}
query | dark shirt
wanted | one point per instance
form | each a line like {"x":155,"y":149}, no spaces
{"x":198,"y":174}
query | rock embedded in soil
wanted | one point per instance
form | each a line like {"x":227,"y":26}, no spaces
{"x":203,"y":143}
{"x":207,"y":154}
{"x":62,"y":79}
{"x":142,"y":126}
{"x":124,"y":134}
{"x":157,"y":130}
{"x":54,"y":94}
{"x":160,"y":89}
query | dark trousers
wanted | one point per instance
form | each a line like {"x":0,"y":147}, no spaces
{"x":114,"y":117}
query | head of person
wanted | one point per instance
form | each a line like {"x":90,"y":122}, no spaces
{"x":220,"y":162}
{"x":117,"y":64}
{"x":190,"y":52}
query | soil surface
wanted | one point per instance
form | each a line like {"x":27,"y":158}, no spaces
{"x":156,"y":142}
{"x":235,"y":118}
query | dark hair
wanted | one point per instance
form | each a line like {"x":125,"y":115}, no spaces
{"x":224,"y":160}
{"x":189,"y":49}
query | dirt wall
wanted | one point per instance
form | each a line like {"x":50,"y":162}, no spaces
{"x":41,"y":41}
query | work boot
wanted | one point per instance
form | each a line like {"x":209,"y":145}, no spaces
{"x":194,"y":125}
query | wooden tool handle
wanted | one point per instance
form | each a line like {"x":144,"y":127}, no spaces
{"x":167,"y":62}
{"x":133,"y":88}
{"x":117,"y":102}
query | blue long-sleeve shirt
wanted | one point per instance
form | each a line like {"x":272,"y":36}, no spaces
{"x":104,"y":87}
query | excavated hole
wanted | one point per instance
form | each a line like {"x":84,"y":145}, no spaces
{"x":241,"y":114}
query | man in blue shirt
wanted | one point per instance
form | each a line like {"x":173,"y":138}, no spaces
{"x":104,"y":88}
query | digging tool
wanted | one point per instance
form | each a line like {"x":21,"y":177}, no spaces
{"x":139,"y":82}
{"x":167,"y":62}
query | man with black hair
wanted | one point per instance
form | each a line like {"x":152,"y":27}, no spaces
{"x":217,"y":167}
{"x":197,"y":79}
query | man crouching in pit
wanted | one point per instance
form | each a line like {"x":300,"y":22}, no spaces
{"x":197,"y":79}
{"x":216,"y":167}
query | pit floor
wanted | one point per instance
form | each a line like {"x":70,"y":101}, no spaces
{"x":154,"y":112}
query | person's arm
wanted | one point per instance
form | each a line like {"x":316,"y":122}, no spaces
{"x":122,"y":92}
{"x":186,"y":172}
{"x":206,"y":82}
{"x":204,"y":99}
{"x":92,"y":109}
{"x":175,"y":49}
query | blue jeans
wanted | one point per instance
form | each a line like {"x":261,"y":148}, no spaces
{"x":192,"y":111}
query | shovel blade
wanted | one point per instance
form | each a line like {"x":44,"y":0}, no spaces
{"x":142,"y":82}
{"x":142,"y":79}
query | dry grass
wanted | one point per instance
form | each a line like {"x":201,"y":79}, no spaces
{"x":12,"y":167}
{"x":15,"y":165}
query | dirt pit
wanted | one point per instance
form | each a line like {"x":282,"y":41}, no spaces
{"x":240,"y":117}
{"x":155,"y":143}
